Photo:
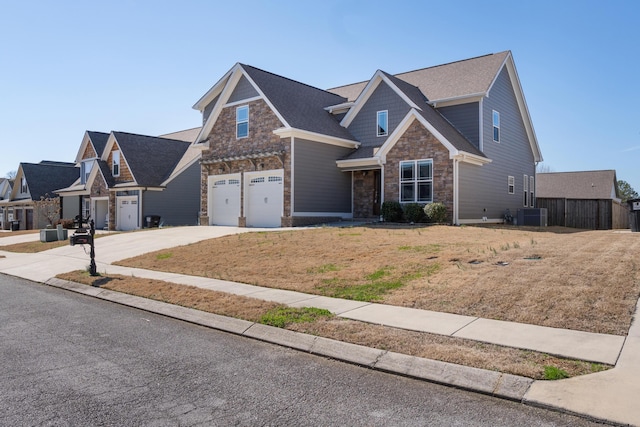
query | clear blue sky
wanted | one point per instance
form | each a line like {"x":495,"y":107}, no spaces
{"x":67,"y":67}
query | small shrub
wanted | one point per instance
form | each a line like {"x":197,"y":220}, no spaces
{"x":391,"y":211}
{"x":436,"y":212}
{"x":413,"y":212}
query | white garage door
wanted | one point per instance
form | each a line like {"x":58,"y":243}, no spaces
{"x":224,"y":199}
{"x":127,"y":213}
{"x":264,"y":195}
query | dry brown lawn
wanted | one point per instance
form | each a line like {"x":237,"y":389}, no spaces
{"x":447,"y":349}
{"x":557,"y":277}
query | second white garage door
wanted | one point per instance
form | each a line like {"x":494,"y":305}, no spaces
{"x":224,"y":199}
{"x":264,"y":195}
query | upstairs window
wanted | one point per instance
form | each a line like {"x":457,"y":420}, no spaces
{"x":242,"y":121}
{"x":526,"y":191}
{"x":23,"y":185}
{"x":115,"y":164}
{"x":416,"y":181}
{"x":496,"y":126}
{"x":383,"y":123}
{"x":85,"y":171}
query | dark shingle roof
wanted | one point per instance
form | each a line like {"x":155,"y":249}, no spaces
{"x":151,"y":159}
{"x":452,"y":80}
{"x":99,"y":140}
{"x":45,"y":177}
{"x":588,"y":185}
{"x":301,"y":105}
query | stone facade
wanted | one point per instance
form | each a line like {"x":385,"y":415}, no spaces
{"x":415,"y":144}
{"x":125,"y":173}
{"x":224,"y":145}
{"x":364,"y":183}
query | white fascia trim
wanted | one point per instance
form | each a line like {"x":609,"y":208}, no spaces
{"x":402,"y":128}
{"x":522,"y":104}
{"x":287,"y":132}
{"x":214,"y":91}
{"x":474,"y":159}
{"x":83,"y":147}
{"x":184,"y":168}
{"x":339,"y":107}
{"x":359,"y":164}
{"x":319,"y":214}
{"x":242,"y":101}
{"x":224,"y":87}
{"x":368,"y":90}
{"x":72,"y":193}
{"x":457,"y":100}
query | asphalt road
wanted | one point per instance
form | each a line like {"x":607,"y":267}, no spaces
{"x":68,"y":359}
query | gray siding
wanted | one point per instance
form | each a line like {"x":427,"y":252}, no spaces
{"x":363,"y":127}
{"x":70,"y":206}
{"x":179,"y":203}
{"x":207,"y":110}
{"x":319,"y":186}
{"x":483,"y":190}
{"x":465,"y":118}
{"x":243,"y":90}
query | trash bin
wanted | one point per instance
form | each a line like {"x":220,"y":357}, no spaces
{"x":152,"y":221}
{"x":15,"y":225}
{"x":634,"y":214}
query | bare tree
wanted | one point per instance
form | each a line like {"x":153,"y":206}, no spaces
{"x":49,"y":207}
{"x":542,"y":168}
{"x":12,"y":174}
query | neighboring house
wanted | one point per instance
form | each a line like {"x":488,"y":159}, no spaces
{"x":128,"y":178}
{"x":5,"y":193}
{"x":281,"y":153}
{"x":588,"y":199}
{"x":32,"y":201}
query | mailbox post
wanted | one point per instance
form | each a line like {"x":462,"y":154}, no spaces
{"x":82,"y":236}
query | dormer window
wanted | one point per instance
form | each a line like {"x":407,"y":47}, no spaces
{"x":496,"y":126}
{"x":383,"y":123}
{"x":242,"y":121}
{"x":115,"y":164}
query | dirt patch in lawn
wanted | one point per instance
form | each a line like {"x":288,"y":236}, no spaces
{"x":436,"y":347}
{"x":557,"y":277}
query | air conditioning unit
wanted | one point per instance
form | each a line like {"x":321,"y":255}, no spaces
{"x":536,"y":217}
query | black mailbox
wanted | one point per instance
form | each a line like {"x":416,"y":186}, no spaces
{"x":80,"y":237}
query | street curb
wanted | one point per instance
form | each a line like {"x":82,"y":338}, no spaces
{"x":506,"y":386}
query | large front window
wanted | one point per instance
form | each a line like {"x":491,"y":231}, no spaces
{"x":416,"y":181}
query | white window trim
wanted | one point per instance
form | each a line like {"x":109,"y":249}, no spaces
{"x":415,"y":181}
{"x":115,"y":161}
{"x":386,"y":115}
{"x":525,"y":188}
{"x":243,"y":121}
{"x":531,"y":192}
{"x":511,"y":185}
{"x":494,"y":127}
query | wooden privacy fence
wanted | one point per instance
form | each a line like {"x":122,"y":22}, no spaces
{"x":603,"y":214}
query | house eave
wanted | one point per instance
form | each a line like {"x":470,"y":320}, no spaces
{"x":473,"y":159}
{"x":359,"y":164}
{"x":457,"y":100}
{"x":288,"y":132}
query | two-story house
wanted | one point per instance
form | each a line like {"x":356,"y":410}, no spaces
{"x":126,"y":179}
{"x":282,"y":153}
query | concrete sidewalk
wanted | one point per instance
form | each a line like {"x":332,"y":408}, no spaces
{"x":609,"y":395}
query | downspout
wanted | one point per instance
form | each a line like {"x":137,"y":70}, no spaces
{"x":381,"y":185}
{"x":292,"y":163}
{"x":456,"y":170}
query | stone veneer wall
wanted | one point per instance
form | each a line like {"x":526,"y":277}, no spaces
{"x":224,"y":144}
{"x":363,"y":192}
{"x":418,"y":143}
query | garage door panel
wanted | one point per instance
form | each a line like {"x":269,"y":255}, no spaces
{"x":264,"y":197}
{"x":224,"y":199}
{"x":127,"y":213}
